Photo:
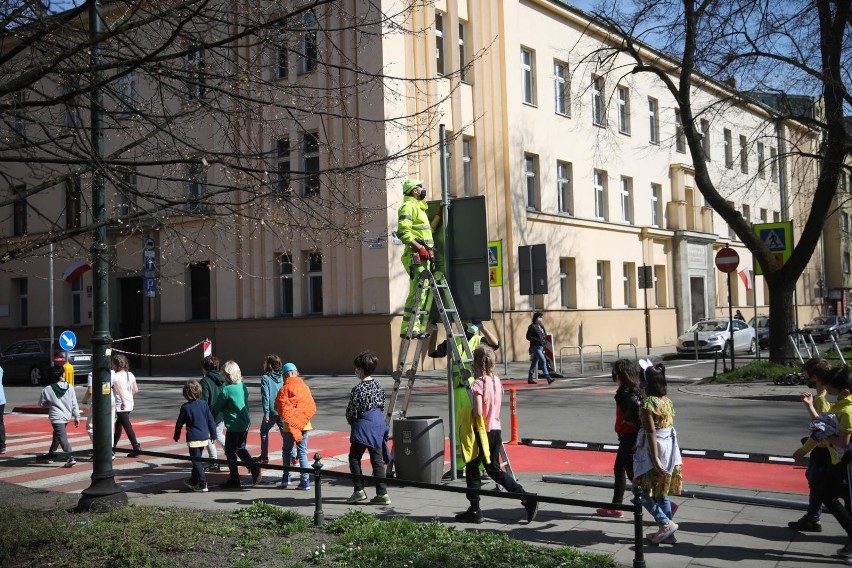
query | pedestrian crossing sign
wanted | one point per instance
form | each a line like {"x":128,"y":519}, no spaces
{"x":495,"y":263}
{"x":778,"y":238}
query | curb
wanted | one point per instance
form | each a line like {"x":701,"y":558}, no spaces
{"x":744,"y":396}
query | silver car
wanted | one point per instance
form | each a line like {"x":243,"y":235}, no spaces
{"x":715,"y":335}
{"x":821,"y":327}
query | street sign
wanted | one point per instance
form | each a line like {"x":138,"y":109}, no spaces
{"x":149,"y":244}
{"x":150,"y":263}
{"x":778,"y":238}
{"x":495,"y":263}
{"x":532,"y":269}
{"x":646,"y":277}
{"x":150,"y":286}
{"x":67,"y":340}
{"x":727,"y":260}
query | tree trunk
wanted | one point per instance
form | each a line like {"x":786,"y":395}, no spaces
{"x":781,"y":320}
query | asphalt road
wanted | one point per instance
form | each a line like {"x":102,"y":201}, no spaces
{"x":580,"y":409}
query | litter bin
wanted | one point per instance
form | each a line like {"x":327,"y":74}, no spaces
{"x":418,"y":448}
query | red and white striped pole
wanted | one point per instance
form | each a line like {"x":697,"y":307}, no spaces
{"x":513,"y":406}
{"x":208,"y":347}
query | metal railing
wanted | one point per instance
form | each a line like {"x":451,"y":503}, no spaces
{"x":631,"y":345}
{"x":582,"y":356}
{"x":561,"y":349}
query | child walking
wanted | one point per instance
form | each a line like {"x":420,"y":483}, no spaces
{"x":657,"y":460}
{"x":200,"y":430}
{"x":625,"y":373}
{"x":61,"y":401}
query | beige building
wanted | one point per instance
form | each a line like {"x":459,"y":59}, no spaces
{"x":587,"y":159}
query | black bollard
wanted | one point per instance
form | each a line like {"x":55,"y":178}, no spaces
{"x":319,"y":516}
{"x":638,"y":552}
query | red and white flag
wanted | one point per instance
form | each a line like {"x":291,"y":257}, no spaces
{"x":745,"y":276}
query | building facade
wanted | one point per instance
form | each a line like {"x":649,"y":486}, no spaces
{"x":587,"y":159}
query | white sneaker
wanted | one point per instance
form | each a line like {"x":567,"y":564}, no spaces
{"x":357,"y":496}
{"x":70,"y":463}
{"x":665,"y":532}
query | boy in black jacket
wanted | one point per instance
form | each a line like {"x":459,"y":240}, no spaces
{"x":200,"y":429}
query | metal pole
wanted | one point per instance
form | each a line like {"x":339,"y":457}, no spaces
{"x":731,"y":320}
{"x":647,"y":311}
{"x":50,"y":264}
{"x":451,"y":395}
{"x":319,"y":515}
{"x":754,"y":303}
{"x":503,"y":295}
{"x":150,"y":350}
{"x":103,"y":492}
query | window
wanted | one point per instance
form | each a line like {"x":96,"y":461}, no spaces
{"x":747,"y":213}
{"x":602,"y":284}
{"x":310,"y":51}
{"x":761,"y":166}
{"x":600,"y":195}
{"x":731,"y":234}
{"x":467,"y":166}
{"x":561,"y":88}
{"x":439,"y":42}
{"x":773,"y":165}
{"x":653,"y":121}
{"x":705,"y":139}
{"x":568,"y":282}
{"x":21,"y":286}
{"x":729,"y":150}
{"x":623,"y":102}
{"x":660,"y":285}
{"x":629,"y":270}
{"x":196,"y":187}
{"x":764,"y":215}
{"x":126,"y":87}
{"x":656,"y":204}
{"x":282,"y":54}
{"x":193,"y":65}
{"x":71,"y":118}
{"x":126,"y":193}
{"x":73,"y":202}
{"x":463,"y":74}
{"x":285,"y":262}
{"x":311,"y":159}
{"x":199,"y":291}
{"x":19,"y":122}
{"x":20,"y":211}
{"x":282,"y":167}
{"x":680,"y":141}
{"x":844,"y":221}
{"x":77,"y":301}
{"x":314,"y":276}
{"x":743,"y":154}
{"x":598,"y":109}
{"x":776,"y":216}
{"x":528,"y":76}
{"x":845,"y":263}
{"x":563,"y":187}
{"x":626,"y":200}
{"x":531,"y":169}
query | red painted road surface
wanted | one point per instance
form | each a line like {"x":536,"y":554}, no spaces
{"x":29,"y":435}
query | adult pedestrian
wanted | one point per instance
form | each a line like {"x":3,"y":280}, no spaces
{"x":211,"y":385}
{"x":125,"y":387}
{"x":2,"y":412}
{"x":90,"y":415}
{"x":270,"y":383}
{"x":233,"y":404}
{"x":415,"y":232}
{"x":488,"y":397}
{"x":295,"y":405}
{"x":475,"y":334}
{"x":365,"y":413}
{"x":537,"y":336}
{"x":739,"y":316}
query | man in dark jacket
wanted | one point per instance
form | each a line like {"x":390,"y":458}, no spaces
{"x":211,"y":384}
{"x":537,"y":336}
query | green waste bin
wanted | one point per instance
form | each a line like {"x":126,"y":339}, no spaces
{"x":418,"y":448}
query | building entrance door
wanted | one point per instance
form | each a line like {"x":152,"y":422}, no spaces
{"x":696,"y":298}
{"x":130,"y":318}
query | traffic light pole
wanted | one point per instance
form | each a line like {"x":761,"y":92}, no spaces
{"x":103,"y":493}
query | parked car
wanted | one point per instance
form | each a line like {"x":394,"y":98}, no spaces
{"x":761,"y":326}
{"x":714,"y":335}
{"x":821,"y":327}
{"x":29,"y":361}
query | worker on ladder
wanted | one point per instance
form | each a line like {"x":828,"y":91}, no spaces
{"x":415,"y":232}
{"x":476,"y":334}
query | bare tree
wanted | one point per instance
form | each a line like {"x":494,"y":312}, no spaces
{"x":205,"y":102}
{"x":800,"y":47}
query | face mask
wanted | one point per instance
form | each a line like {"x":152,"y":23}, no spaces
{"x":421,"y":195}
{"x":538,"y":321}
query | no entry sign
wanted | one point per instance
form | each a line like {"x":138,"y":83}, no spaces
{"x":727,"y":260}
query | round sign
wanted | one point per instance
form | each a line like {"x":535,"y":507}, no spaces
{"x":149,"y":244}
{"x":727,"y":260}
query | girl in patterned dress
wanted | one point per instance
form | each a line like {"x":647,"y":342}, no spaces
{"x":657,"y":461}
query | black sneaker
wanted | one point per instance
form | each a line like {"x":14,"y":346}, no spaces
{"x":231,"y":484}
{"x":531,"y":505}
{"x":805,"y":524}
{"x":213,"y":467}
{"x":255,"y":474}
{"x":531,"y":382}
{"x":470,"y":516}
{"x":136,"y":452}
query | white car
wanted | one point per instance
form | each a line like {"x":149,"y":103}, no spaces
{"x":715,"y":335}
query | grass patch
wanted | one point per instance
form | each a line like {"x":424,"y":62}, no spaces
{"x":260,"y":536}
{"x":756,"y":371}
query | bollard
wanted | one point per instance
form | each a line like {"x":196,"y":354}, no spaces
{"x":638,"y":552}
{"x":513,"y":405}
{"x":319,"y":516}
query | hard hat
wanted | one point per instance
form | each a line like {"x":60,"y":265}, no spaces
{"x":410,"y":184}
{"x":289,"y":367}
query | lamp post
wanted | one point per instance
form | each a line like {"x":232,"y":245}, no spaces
{"x":103,"y":492}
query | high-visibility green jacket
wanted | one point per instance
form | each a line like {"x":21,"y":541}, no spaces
{"x":413,"y":224}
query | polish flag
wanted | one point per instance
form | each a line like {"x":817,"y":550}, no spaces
{"x":745,"y":276}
